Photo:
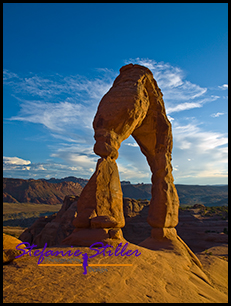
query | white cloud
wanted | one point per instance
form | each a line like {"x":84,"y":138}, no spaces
{"x":57,"y":117}
{"x":8,"y":76}
{"x":78,"y":157}
{"x":15,"y":161}
{"x":76,"y":99}
{"x":40,"y":167}
{"x":208,"y":149}
{"x":129,"y":172}
{"x":217,"y":114}
{"x":82,"y":160}
{"x":68,"y":138}
{"x":49,"y":169}
{"x":223,"y":87}
{"x":197,"y":138}
{"x":132,"y":144}
{"x":170,"y":118}
{"x":19,"y":164}
{"x":190,"y":105}
{"x":183,"y":106}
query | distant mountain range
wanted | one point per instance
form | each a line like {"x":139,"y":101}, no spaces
{"x":209,"y":195}
{"x":54,"y":190}
{"x":38,"y":191}
{"x":80,"y":181}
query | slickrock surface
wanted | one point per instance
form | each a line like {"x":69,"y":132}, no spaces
{"x":160,"y":276}
{"x":201,"y":232}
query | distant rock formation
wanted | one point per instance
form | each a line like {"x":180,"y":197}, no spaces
{"x":38,"y":191}
{"x":125,"y":183}
{"x":135,"y":192}
{"x":133,"y":106}
{"x":82,"y":182}
{"x":209,"y":195}
{"x":132,"y":207}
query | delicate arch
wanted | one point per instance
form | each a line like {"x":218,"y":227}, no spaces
{"x":134,"y":106}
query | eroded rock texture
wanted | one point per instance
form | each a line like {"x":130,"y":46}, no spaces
{"x":101,"y":201}
{"x":133,"y":106}
{"x":100,"y":207}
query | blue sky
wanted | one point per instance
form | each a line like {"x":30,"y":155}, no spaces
{"x":60,"y":59}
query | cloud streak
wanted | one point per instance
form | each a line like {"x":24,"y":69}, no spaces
{"x":218,"y":114}
{"x":179,"y":93}
{"x":58,"y":103}
{"x":47,"y":169}
{"x":205,"y":150}
{"x":15,"y":161}
{"x":57,"y":117}
{"x":77,"y":87}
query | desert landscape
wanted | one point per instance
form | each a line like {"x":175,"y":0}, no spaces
{"x":160,"y":275}
{"x":155,"y":276}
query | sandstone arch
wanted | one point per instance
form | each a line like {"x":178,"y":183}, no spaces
{"x":133,"y":106}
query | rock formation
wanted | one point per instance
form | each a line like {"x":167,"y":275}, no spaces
{"x":52,"y":229}
{"x":100,"y":207}
{"x":58,"y":226}
{"x":9,"y":248}
{"x":133,"y":106}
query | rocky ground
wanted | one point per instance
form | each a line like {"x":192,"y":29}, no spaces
{"x":154,"y":276}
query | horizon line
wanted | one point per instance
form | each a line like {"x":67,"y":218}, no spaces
{"x":17,"y":178}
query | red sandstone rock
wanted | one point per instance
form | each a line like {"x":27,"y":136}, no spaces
{"x":103,"y":221}
{"x":134,"y":106}
{"x":102,"y":196}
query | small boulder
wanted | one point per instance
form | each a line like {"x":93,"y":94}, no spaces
{"x":9,"y":248}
